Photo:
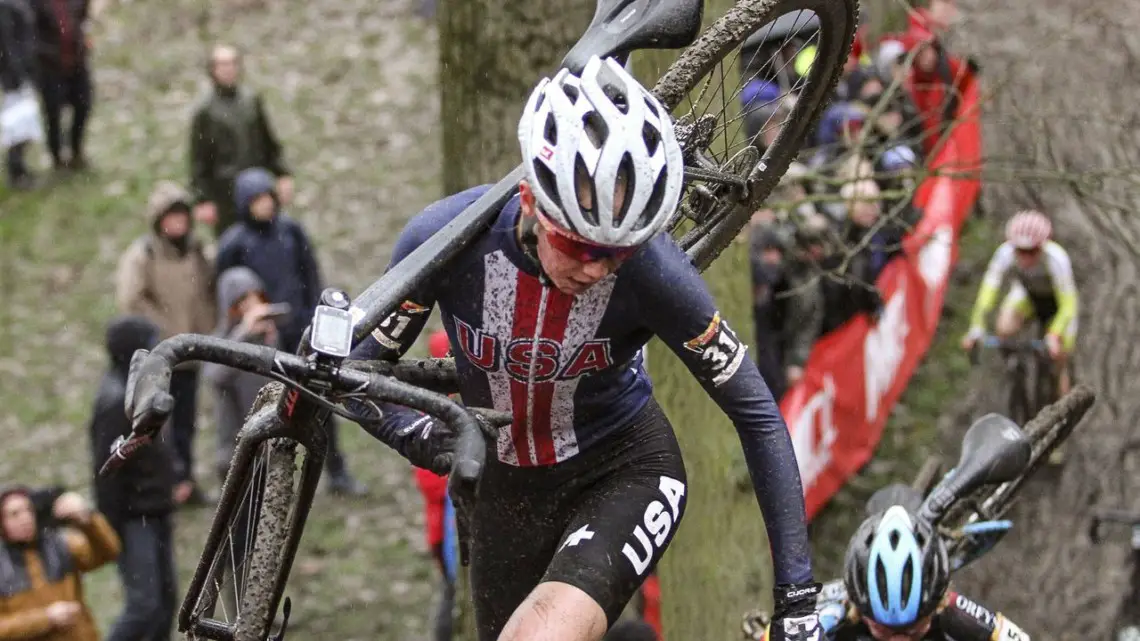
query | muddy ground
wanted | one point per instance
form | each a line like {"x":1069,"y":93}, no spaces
{"x":1065,"y":78}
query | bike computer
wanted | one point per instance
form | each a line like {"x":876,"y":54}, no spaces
{"x":332,"y":331}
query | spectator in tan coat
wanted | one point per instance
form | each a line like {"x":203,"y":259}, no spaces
{"x":41,"y":567}
{"x":167,"y":276}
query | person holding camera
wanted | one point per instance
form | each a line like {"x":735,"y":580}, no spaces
{"x":41,"y":566}
{"x":244,"y":314}
{"x":138,"y":499}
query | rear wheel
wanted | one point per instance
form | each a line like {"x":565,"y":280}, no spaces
{"x":1017,"y":395}
{"x":727,"y":177}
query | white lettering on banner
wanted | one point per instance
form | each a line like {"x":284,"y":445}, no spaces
{"x":883,"y":350}
{"x":658,"y":522}
{"x":934,"y":257}
{"x":813,"y":452}
{"x":934,"y":265}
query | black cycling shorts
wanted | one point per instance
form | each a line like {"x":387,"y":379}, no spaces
{"x":599,"y":521}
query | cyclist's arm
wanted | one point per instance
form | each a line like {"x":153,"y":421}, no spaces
{"x":400,"y":330}
{"x":676,"y":305}
{"x":965,"y":620}
{"x":991,"y":286}
{"x":1064,"y":287}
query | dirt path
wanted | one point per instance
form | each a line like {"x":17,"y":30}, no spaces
{"x":1065,"y":76}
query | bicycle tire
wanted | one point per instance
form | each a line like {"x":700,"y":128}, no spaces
{"x":838,"y":21}
{"x":1051,"y":427}
{"x":1017,"y":401}
{"x":266,"y":560}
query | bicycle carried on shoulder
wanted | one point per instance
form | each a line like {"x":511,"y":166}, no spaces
{"x":276,"y":465}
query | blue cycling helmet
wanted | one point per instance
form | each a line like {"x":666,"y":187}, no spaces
{"x":896,"y":569}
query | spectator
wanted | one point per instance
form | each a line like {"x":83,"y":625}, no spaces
{"x":798,"y":304}
{"x":41,"y":563}
{"x":243,"y":315}
{"x":278,"y":250}
{"x":64,"y":75}
{"x":139,"y":498}
{"x":937,"y":82}
{"x":17,"y":58}
{"x":168,"y":277}
{"x":230,"y":132}
{"x":766,"y":257}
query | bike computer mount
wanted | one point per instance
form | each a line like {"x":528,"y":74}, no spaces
{"x":331,"y":335}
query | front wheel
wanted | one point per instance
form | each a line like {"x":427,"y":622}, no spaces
{"x":238,"y":584}
{"x":733,"y":68}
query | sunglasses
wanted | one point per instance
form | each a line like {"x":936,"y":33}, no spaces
{"x":584,"y":252}
{"x":1027,"y":252}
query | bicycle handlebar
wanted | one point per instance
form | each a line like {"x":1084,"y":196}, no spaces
{"x":1021,"y":345}
{"x":149,"y":403}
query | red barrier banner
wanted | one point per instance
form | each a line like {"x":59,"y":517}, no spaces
{"x":856,"y":374}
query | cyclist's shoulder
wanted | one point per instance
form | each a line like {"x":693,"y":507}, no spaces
{"x":964,"y":619}
{"x":1057,"y":254}
{"x":436,"y":215}
{"x":660,"y":259}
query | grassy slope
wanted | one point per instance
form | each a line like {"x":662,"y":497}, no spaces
{"x":350,"y":86}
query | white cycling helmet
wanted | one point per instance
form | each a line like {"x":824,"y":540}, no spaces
{"x":1028,"y":229}
{"x":579,"y":131}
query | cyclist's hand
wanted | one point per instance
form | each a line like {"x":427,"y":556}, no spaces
{"x":968,"y":342}
{"x":429,"y":443}
{"x":206,"y":213}
{"x":1053,"y":343}
{"x":796,"y":618}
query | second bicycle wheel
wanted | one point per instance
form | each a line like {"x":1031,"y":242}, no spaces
{"x":785,"y":57}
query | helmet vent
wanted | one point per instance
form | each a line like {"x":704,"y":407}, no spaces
{"x":550,"y":130}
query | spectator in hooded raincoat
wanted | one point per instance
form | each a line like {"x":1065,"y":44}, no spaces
{"x":276,"y":248}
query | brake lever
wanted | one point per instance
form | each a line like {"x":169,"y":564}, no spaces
{"x":122,"y":449}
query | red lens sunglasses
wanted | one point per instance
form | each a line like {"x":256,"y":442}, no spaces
{"x":584,"y":252}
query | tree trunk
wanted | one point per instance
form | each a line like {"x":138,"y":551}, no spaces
{"x":718,"y":565}
{"x":492,"y":53}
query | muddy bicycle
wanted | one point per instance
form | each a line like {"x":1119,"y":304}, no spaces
{"x":271,"y":483}
{"x":967,"y":504}
{"x":1025,"y":394}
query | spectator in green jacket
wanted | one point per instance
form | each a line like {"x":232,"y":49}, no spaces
{"x":230,"y":132}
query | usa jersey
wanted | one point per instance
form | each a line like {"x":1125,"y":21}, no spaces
{"x":570,"y":369}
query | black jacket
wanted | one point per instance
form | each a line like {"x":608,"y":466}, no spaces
{"x":144,"y":485}
{"x":17,"y":44}
{"x":279,"y":252}
{"x":59,"y":48}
